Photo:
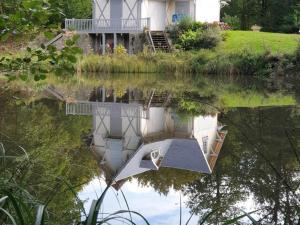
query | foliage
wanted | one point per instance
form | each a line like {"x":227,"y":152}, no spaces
{"x":47,"y":160}
{"x":269,"y":168}
{"x":224,"y":60}
{"x":276,"y":15}
{"x":38,"y":62}
{"x":25,"y":16}
{"x":232,"y":21}
{"x":192,"y":35}
{"x":72,"y":9}
{"x":185,"y":24}
{"x":120,"y":50}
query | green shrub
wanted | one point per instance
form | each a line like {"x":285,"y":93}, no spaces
{"x":189,"y":40}
{"x":185,"y":24}
{"x":193,"y":40}
{"x":210,"y":38}
{"x":232,"y":21}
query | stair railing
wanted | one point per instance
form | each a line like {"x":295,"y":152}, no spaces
{"x":151,"y":40}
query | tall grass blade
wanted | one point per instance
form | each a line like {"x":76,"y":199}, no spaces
{"x":17,"y":208}
{"x":187,"y":222}
{"x":180,"y":210}
{"x":2,"y":153}
{"x":9,"y":216}
{"x":3,"y":200}
{"x":91,"y":212}
{"x":94,"y":211}
{"x":126,"y":204}
{"x":236,"y":219}
{"x":24,"y":151}
{"x":40,"y":215}
{"x":126,"y":211}
{"x":116,"y":218}
{"x":73,"y":191}
{"x":203,"y":220}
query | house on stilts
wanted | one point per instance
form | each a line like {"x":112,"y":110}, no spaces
{"x":124,"y":21}
{"x":137,"y":132}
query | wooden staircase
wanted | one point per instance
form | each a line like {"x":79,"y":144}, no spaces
{"x":157,"y":99}
{"x":159,"y":41}
{"x":216,"y":149}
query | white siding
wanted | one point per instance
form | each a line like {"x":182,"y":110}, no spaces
{"x":205,"y":126}
{"x":208,"y":11}
{"x":155,"y":123}
{"x":157,"y":13}
{"x":133,"y":7}
{"x":101,"y":5}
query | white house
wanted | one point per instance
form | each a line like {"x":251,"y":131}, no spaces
{"x":115,"y":20}
{"x":134,"y":137}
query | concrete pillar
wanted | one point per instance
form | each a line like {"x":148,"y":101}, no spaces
{"x":103,"y":94}
{"x":115,"y":41}
{"x":103,"y":43}
{"x":115,"y":96}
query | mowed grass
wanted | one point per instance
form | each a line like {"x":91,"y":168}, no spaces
{"x":258,"y":42}
{"x":252,"y":99}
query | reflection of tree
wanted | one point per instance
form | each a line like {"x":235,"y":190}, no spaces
{"x":166,"y":178}
{"x":219,"y":190}
{"x":55,"y":150}
{"x":260,"y":156}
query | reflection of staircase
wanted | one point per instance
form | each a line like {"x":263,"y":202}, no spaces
{"x":159,"y":41}
{"x":216,"y":148}
{"x":157,"y":99}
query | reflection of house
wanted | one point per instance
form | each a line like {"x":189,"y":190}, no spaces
{"x":117,"y":21}
{"x":131,"y":138}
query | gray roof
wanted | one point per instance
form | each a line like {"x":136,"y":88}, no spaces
{"x":177,"y":153}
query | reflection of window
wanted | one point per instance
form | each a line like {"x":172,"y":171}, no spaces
{"x":204,"y":141}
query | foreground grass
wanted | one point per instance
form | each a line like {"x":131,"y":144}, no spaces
{"x":259,"y":42}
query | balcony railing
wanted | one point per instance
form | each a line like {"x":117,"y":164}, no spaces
{"x":104,"y":109}
{"x":107,"y":25}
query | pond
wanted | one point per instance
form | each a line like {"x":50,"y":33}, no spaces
{"x":173,"y":148}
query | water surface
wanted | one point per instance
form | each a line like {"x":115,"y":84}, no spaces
{"x":257,"y":168}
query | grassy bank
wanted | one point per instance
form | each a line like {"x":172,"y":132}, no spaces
{"x":259,"y":42}
{"x":242,"y":52}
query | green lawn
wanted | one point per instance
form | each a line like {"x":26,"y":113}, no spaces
{"x":259,"y":42}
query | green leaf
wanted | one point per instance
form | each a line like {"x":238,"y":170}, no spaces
{"x":72,"y":58}
{"x":49,"y":35}
{"x":11,"y":77}
{"x":42,"y":76}
{"x":17,"y":208}
{"x":27,"y":59}
{"x":23,"y":77}
{"x":36,"y":77}
{"x":9,"y":216}
{"x":4,"y":36}
{"x":70,"y":42}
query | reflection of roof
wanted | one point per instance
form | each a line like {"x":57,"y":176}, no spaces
{"x":176,"y":153}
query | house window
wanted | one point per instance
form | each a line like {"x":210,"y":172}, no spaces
{"x":204,"y":141}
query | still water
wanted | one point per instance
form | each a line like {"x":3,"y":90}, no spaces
{"x":173,"y":149}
